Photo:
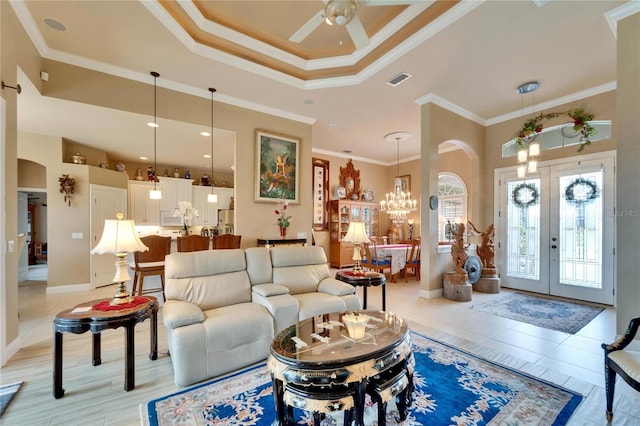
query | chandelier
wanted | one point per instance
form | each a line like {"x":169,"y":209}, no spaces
{"x":398,"y":204}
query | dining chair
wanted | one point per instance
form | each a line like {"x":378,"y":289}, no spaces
{"x":150,"y":262}
{"x":226,"y":241}
{"x":413,"y":259}
{"x":619,"y":360}
{"x":193,"y":243}
{"x":373,"y":262}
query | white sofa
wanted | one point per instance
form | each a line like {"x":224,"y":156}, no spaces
{"x":224,"y":307}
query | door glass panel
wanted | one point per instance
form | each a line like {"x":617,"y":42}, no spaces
{"x":580,"y":228}
{"x":523,"y":233}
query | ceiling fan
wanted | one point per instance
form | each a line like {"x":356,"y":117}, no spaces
{"x":343,"y":13}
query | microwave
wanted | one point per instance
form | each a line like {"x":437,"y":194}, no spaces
{"x":168,"y":219}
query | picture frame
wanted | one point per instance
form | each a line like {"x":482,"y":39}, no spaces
{"x":277,"y":176}
{"x":320,"y":191}
{"x":405,"y":181}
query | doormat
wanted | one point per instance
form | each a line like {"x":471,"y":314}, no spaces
{"x":452,"y":387}
{"x":7,"y":393}
{"x":554,"y":314}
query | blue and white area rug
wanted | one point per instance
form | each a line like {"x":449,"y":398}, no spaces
{"x":547,"y":312}
{"x":453,"y":387}
{"x":7,"y":393}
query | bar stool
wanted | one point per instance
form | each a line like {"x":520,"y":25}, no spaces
{"x":150,"y":262}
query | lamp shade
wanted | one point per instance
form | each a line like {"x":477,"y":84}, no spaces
{"x":356,"y":233}
{"x":119,"y":236}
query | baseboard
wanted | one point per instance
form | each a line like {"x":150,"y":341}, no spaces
{"x":432,"y":294}
{"x":10,"y":350}
{"x":73,"y":288}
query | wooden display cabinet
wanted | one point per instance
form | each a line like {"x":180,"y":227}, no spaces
{"x":341,"y":212}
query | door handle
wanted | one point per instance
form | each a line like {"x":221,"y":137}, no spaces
{"x":554,"y":246}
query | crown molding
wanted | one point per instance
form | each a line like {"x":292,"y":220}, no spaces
{"x":443,"y":103}
{"x":623,"y":11}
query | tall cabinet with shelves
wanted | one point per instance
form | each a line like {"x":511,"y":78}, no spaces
{"x":341,"y":212}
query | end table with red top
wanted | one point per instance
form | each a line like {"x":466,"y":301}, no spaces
{"x":97,"y":316}
{"x":365,"y":280}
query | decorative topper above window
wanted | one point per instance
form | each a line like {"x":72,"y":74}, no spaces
{"x":350,"y":180}
{"x":581,"y":126}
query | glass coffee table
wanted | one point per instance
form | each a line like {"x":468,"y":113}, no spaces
{"x":322,"y":364}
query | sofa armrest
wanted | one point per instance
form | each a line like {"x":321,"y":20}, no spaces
{"x":268,"y":290}
{"x":178,"y":313}
{"x":282,"y":307}
{"x":335,"y":287}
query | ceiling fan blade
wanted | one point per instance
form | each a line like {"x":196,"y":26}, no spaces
{"x":308,"y":27}
{"x":357,"y":33}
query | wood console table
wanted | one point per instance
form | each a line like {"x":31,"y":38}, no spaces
{"x":83,"y":318}
{"x":270,"y":242}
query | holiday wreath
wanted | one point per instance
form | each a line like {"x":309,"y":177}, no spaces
{"x":581,"y":191}
{"x":525,"y":195}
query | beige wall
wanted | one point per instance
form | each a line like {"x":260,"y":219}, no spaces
{"x":64,"y":219}
{"x":628,"y":171}
{"x":16,"y":49}
{"x":31,"y":175}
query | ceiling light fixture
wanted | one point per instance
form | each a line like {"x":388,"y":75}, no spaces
{"x":398,"y":204}
{"x":530,"y":149}
{"x":213,"y":197}
{"x":339,"y":12}
{"x":155,"y":193}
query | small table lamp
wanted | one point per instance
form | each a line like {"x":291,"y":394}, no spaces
{"x":410,"y":223}
{"x":356,"y":235}
{"x":119,"y":237}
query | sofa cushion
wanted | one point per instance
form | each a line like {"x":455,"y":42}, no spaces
{"x":176,"y":313}
{"x":301,"y":279}
{"x":258,"y":265}
{"x":335,"y":287}
{"x":209,"y":278}
{"x":284,"y":256}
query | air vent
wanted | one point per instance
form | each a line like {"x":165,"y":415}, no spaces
{"x":398,"y":79}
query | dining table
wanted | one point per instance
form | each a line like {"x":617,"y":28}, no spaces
{"x":398,"y":255}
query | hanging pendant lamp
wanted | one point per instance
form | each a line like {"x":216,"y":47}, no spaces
{"x":212,"y":197}
{"x":155,"y":193}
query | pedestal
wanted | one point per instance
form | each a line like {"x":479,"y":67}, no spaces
{"x":456,"y":287}
{"x":488,"y":284}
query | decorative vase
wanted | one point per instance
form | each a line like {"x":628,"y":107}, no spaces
{"x":184,"y":232}
{"x":283,"y":231}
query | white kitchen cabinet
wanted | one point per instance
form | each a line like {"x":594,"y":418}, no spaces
{"x":174,"y":190}
{"x":142,"y":209}
{"x":224,"y":197}
{"x":208,"y":212}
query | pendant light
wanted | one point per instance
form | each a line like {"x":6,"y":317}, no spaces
{"x":527,"y":153}
{"x":212,"y":197}
{"x":155,"y":193}
{"x":398,"y":204}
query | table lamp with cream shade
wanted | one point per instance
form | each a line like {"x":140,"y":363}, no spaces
{"x":119,"y":237}
{"x":356,"y":234}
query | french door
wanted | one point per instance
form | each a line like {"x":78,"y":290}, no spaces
{"x":556,"y":230}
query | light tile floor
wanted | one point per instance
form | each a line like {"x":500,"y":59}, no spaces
{"x":573,"y":361}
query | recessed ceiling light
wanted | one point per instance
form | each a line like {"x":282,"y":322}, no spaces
{"x":207,"y":156}
{"x":143,"y":158}
{"x":205,"y":133}
{"x":55,"y":24}
{"x":332,"y":124}
{"x":308,"y":101}
{"x":151,"y":124}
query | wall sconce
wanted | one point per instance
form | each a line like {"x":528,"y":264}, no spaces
{"x":67,"y":187}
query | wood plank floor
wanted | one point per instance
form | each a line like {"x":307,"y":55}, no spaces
{"x":96,"y":396}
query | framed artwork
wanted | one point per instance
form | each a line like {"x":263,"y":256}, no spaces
{"x":320,"y":191}
{"x":405,"y":180}
{"x":277,"y":172}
